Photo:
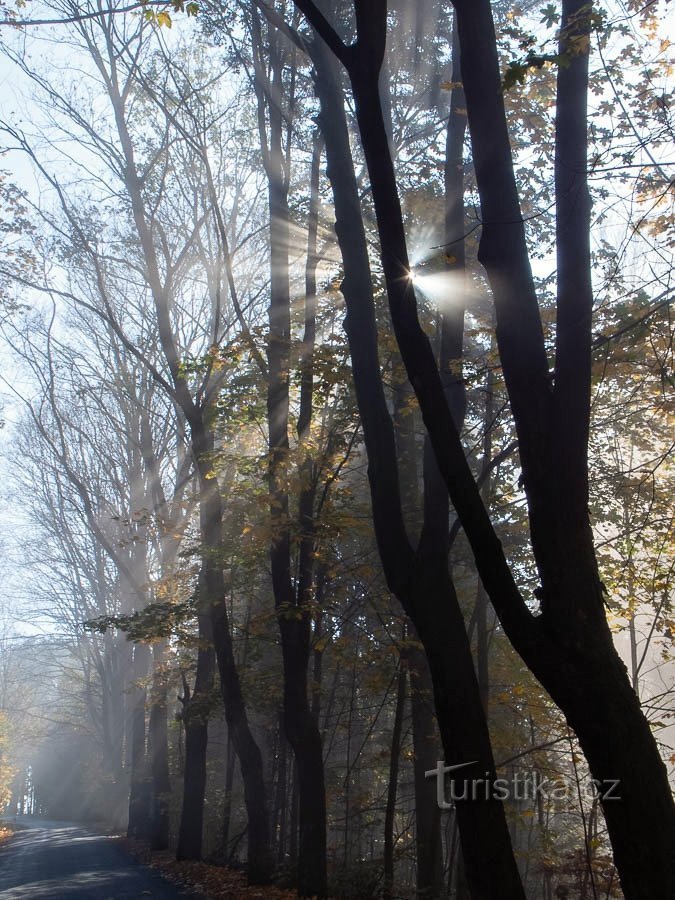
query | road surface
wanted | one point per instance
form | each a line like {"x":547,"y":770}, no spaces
{"x":59,"y":861}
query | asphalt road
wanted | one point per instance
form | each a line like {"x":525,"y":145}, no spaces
{"x":59,"y":861}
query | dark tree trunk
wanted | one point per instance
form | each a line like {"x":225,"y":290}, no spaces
{"x":158,"y":745}
{"x":569,"y":646}
{"x":140,"y":788}
{"x":482,"y":608}
{"x":259,"y":867}
{"x":574,"y":656}
{"x":420,"y":579}
{"x":196,"y":711}
{"x":292,"y":602}
{"x":230,"y":760}
{"x":461,"y":717}
{"x":425,"y":747}
{"x":392,"y":787}
{"x":281,"y":798}
{"x":293,"y":818}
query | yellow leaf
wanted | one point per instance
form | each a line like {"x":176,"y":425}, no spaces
{"x":164,"y":19}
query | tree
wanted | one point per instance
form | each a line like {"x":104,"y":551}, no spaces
{"x":418,"y":576}
{"x":292,"y":595}
{"x":187,"y":251}
{"x":166,"y":268}
{"x":568,"y":645}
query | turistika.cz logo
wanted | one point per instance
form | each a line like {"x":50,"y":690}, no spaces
{"x":522,"y":786}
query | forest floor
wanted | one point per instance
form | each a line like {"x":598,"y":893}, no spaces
{"x":211,"y":882}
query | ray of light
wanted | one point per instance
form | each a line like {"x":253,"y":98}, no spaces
{"x":443,"y":289}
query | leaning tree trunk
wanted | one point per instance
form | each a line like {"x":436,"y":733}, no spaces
{"x":568,"y":646}
{"x":420,"y":579}
{"x":582,"y":670}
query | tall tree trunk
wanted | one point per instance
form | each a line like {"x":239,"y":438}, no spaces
{"x":196,"y":711}
{"x":425,"y":748}
{"x":569,"y":646}
{"x":292,"y":602}
{"x":573,"y":656}
{"x":259,"y":867}
{"x":420,"y":579}
{"x":139,"y":794}
{"x":230,"y":759}
{"x":392,"y":786}
{"x":158,"y":746}
{"x":293,"y":817}
{"x":281,"y":799}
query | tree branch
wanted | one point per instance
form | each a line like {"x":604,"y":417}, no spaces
{"x":325,"y":30}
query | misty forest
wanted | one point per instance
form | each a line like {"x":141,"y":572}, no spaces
{"x":336,"y":349}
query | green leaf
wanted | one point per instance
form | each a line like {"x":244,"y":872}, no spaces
{"x":550,"y":15}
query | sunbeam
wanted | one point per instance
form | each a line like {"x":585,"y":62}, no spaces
{"x":443,"y":289}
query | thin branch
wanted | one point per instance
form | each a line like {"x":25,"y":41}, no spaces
{"x":82,"y":17}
